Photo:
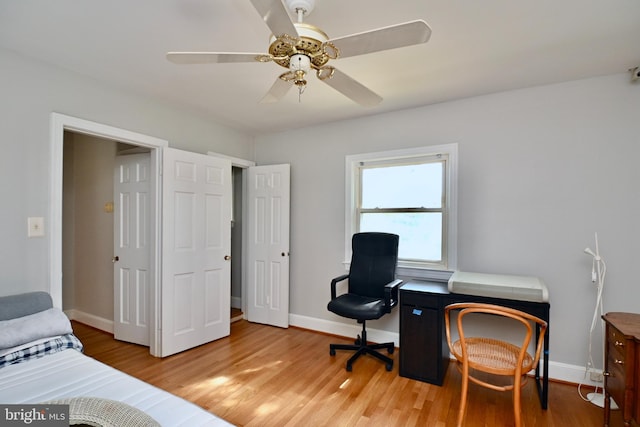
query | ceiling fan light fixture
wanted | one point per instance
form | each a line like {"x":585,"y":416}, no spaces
{"x":299,"y":65}
{"x":300,"y":62}
{"x":300,"y":81}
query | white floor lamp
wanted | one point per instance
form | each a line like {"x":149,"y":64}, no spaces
{"x":598,"y":271}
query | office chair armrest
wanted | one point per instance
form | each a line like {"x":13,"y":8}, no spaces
{"x":334,"y":282}
{"x":391,"y":294}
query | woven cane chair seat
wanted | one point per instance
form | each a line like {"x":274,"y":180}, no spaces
{"x":500,"y":357}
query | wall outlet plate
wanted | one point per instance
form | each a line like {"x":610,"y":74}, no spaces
{"x":596,"y":376}
{"x":36,"y":227}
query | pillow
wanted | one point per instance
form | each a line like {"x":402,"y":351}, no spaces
{"x":47,"y":323}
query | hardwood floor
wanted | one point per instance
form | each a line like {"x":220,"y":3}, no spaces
{"x":267,"y":376}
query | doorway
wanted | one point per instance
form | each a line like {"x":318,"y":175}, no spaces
{"x":88,"y":224}
{"x":61,"y":123}
{"x":237,"y":225}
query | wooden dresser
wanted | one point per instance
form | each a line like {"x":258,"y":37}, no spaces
{"x":622,"y":366}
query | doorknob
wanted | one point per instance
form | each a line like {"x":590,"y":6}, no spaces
{"x":227,"y":257}
{"x":115,"y":259}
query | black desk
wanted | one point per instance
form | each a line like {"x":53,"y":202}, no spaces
{"x":424,"y":354}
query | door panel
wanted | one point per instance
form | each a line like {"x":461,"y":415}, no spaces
{"x":196,"y":272}
{"x":268,"y":245}
{"x":132,"y":250}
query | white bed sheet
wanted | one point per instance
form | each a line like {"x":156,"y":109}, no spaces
{"x":70,"y":373}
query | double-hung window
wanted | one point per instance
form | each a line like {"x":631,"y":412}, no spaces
{"x":410,"y":193}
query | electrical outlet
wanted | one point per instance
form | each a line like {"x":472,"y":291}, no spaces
{"x":596,"y":376}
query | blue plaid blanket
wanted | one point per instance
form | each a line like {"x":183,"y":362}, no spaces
{"x":39,"y":350}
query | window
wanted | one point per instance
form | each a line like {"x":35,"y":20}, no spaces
{"x":410,"y":193}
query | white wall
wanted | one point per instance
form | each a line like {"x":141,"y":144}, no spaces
{"x":540,"y":170}
{"x":31,"y":91}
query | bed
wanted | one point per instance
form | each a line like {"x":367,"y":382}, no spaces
{"x":41,"y":362}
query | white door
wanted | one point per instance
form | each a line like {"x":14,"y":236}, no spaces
{"x":196,"y":248}
{"x":268,"y":198}
{"x":131,"y":248}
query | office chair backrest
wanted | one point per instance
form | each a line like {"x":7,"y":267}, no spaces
{"x":373,"y":263}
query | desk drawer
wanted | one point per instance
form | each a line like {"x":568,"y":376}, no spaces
{"x":419,"y":299}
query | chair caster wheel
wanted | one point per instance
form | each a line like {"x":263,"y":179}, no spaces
{"x":349,"y":368}
{"x":332,"y":352}
{"x":389,"y":367}
{"x":390,"y":350}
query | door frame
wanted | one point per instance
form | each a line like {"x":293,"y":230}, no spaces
{"x":59,"y":123}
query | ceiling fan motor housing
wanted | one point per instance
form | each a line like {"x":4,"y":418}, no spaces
{"x":311,"y":41}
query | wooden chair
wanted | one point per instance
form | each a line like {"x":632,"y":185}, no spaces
{"x":493,"y":356}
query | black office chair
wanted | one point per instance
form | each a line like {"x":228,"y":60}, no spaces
{"x":372,"y":291}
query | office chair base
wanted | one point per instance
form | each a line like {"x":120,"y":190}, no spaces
{"x":362,"y":347}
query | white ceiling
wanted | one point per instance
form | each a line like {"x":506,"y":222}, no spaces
{"x":476,"y":47}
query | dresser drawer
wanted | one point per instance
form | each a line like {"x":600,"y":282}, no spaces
{"x":617,"y":356}
{"x":616,"y":382}
{"x":617,"y":345}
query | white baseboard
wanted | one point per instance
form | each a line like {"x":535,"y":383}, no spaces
{"x":236,"y":302}
{"x":572,"y":374}
{"x":91,"y":320}
{"x":342,"y":329}
{"x":557,"y":371}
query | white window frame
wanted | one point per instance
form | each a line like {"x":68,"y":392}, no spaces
{"x":352,"y":189}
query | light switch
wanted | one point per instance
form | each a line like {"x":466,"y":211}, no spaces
{"x":36,"y":226}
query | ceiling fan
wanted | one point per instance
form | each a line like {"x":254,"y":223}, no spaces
{"x":300,"y":48}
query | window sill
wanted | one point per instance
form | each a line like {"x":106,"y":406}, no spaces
{"x":408,"y":273}
{"x":424,"y":274}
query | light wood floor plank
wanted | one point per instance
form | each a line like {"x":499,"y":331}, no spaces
{"x":267,"y":376}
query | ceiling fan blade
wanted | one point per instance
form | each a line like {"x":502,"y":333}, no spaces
{"x":275,"y":15}
{"x":277,"y":92}
{"x":212,"y":57}
{"x":392,"y":37}
{"x":352,"y":89}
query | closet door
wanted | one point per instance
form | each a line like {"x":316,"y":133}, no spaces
{"x":132,"y":249}
{"x":196,"y":249}
{"x":268,"y":245}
